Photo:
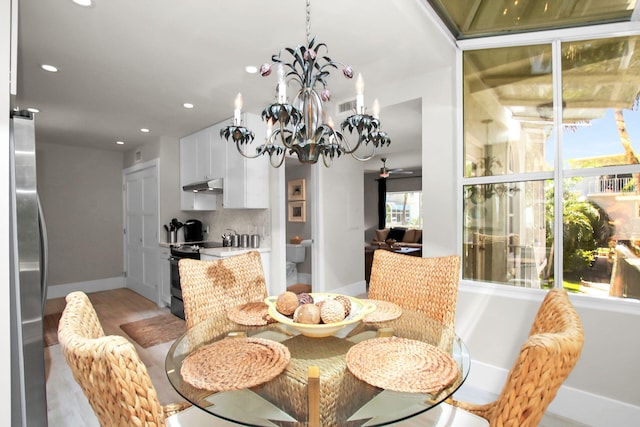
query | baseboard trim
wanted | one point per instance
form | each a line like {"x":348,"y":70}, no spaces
{"x":353,"y":289}
{"x":578,"y":405}
{"x":57,"y":291}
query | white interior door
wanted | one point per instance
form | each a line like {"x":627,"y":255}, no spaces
{"x":141,"y":230}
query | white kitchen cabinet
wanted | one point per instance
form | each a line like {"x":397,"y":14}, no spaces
{"x":164,"y":277}
{"x":206,"y":155}
{"x":246,"y":183}
{"x":218,"y":147}
{"x":203,"y":156}
{"x":195,"y":166}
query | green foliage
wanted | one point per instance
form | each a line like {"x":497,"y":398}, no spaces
{"x":585,"y":227}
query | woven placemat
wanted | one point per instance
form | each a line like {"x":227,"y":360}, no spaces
{"x":402,"y":364}
{"x":235,"y":363}
{"x":384,"y":311}
{"x":251,"y":314}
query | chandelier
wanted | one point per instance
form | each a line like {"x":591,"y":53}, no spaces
{"x":301,"y":127}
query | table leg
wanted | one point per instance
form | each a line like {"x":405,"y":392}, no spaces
{"x":314,"y":396}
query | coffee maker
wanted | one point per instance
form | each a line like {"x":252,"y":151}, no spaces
{"x":193,"y":231}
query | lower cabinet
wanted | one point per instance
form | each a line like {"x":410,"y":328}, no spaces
{"x":164,"y":287}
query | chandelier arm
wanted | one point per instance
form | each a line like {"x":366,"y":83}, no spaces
{"x":282,"y":132}
{"x":350,"y":150}
{"x":282,"y":156}
{"x":324,"y":160}
{"x":248,"y":156}
{"x":364,"y":159}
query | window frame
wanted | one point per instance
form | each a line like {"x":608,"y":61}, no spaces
{"x":555,"y":38}
{"x":421,"y":213}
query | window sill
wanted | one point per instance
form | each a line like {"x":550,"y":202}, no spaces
{"x":610,"y":304}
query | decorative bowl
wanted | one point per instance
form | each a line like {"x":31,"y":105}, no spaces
{"x":359,"y":309}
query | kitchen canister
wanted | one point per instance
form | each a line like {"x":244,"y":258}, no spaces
{"x":244,"y":241}
{"x":255,"y":241}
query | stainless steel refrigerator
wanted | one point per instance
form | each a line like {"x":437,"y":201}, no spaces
{"x":28,"y":260}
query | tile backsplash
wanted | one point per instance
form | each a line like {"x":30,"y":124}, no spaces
{"x":242,"y":221}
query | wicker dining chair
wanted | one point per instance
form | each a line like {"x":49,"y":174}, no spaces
{"x":211,"y":288}
{"x":426,"y":285}
{"x":112,"y":376}
{"x":545,"y":361}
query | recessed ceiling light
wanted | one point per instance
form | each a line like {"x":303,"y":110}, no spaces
{"x":83,"y":2}
{"x":251,"y":69}
{"x":145,"y":130}
{"x":187,"y":105}
{"x":33,"y":110}
{"x":49,"y":68}
{"x":120,"y":142}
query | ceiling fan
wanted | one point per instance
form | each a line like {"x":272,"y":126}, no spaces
{"x":385,"y":172}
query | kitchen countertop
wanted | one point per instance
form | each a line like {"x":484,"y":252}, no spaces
{"x":201,"y":244}
{"x":230,"y":251}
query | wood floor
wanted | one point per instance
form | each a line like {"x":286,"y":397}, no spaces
{"x":67,"y":405}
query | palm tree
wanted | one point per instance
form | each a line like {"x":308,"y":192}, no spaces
{"x":625,"y":140}
{"x":585,"y":227}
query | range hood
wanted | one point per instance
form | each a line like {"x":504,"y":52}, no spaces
{"x":211,"y":186}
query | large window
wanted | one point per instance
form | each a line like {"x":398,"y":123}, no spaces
{"x":404,"y":209}
{"x":551,"y":174}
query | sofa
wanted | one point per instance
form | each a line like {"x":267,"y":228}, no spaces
{"x":392,"y":239}
{"x":398,"y":237}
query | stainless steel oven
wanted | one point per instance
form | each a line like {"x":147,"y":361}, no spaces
{"x":177,"y":253}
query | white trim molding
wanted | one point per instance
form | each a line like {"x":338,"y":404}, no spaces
{"x":57,"y":291}
{"x":353,"y":289}
{"x":578,"y":405}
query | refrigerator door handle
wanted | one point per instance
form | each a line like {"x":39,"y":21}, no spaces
{"x":44,"y":252}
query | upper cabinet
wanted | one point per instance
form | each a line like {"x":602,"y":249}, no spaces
{"x":195,"y":165}
{"x":247,"y":180}
{"x":204,"y":155}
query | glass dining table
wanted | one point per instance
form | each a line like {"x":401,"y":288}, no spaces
{"x":345,"y":398}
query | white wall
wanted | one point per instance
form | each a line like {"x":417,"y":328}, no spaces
{"x":370,"y":206}
{"x":81,"y":193}
{"x":341,"y":207}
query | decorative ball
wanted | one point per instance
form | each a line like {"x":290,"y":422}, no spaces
{"x":332,"y":311}
{"x":305,"y":298}
{"x":287,"y":303}
{"x":307,"y":313}
{"x":346,"y":302}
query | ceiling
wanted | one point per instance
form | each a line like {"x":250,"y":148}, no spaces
{"x":126,"y":65}
{"x":131,"y":64}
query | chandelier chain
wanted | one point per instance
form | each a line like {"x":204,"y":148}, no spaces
{"x":308,"y":21}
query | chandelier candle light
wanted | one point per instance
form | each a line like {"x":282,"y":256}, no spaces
{"x":301,"y":127}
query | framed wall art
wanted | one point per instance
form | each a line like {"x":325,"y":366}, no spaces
{"x":296,"y":190}
{"x":297,"y":211}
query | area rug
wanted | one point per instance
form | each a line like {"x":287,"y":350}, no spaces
{"x":50,"y":331}
{"x":155,"y":330}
